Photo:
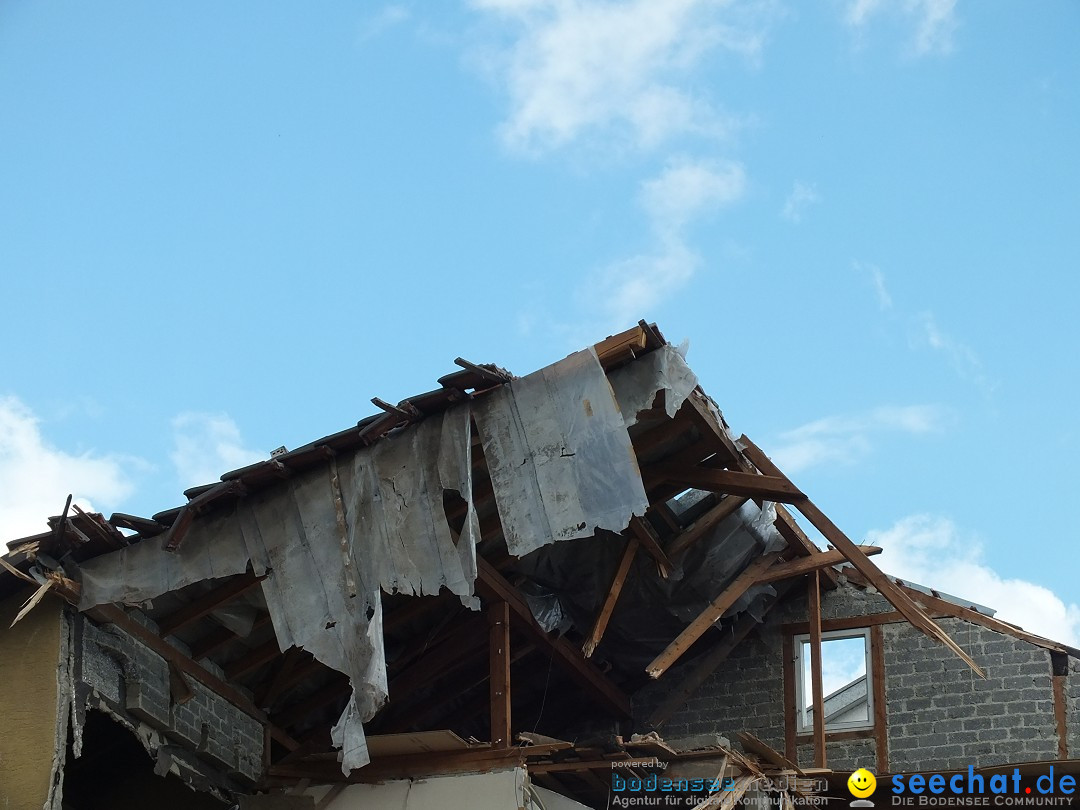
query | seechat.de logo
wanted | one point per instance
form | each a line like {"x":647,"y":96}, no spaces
{"x":862,"y":785}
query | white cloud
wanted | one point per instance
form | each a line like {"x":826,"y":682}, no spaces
{"x":36,"y":477}
{"x":626,"y":290}
{"x":206,"y":445}
{"x":932,"y":551}
{"x":687,"y":188}
{"x":877,"y":279}
{"x":802,"y":196}
{"x":573,"y":67}
{"x":934,"y":21}
{"x":849,"y":438}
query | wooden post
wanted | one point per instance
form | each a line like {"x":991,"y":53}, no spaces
{"x":499,"y":664}
{"x":881,"y":716}
{"x":814,"y":608}
{"x":1060,"y":723}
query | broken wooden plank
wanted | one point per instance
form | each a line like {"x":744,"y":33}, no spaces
{"x":753,"y":745}
{"x":708,"y":617}
{"x":617,"y":582}
{"x":193,"y":508}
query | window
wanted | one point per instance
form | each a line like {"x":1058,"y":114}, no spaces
{"x":845,"y":681}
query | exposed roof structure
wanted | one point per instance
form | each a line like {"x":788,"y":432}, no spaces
{"x":600,"y":511}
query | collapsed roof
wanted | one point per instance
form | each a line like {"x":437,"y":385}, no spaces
{"x":602,"y":503}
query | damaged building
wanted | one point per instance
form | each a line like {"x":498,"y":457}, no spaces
{"x":508,"y":592}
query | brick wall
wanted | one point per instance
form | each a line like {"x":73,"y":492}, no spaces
{"x":939,"y":713}
{"x":131,"y":681}
{"x":942,"y":714}
{"x":746,"y":694}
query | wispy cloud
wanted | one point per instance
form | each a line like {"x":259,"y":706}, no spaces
{"x":387,"y":17}
{"x":802,"y":196}
{"x":613,"y":69}
{"x":36,"y":477}
{"x":628,"y":289}
{"x":932,"y":551}
{"x":877,"y":279}
{"x":205,"y":445}
{"x":847,"y":439}
{"x":934,"y":21}
{"x":964,"y":360}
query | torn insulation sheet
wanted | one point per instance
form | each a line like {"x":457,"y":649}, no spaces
{"x":323,"y":589}
{"x":559,"y":456}
{"x":637,"y":384}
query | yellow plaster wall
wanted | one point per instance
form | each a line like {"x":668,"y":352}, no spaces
{"x":29,"y":657}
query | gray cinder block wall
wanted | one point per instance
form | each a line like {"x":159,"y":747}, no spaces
{"x":119,"y":674}
{"x":939,"y":713}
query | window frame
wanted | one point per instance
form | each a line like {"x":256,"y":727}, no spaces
{"x":803,"y":724}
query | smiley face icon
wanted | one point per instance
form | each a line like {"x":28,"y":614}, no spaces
{"x":862,"y":783}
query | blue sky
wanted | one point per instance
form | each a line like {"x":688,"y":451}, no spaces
{"x":225,"y":227}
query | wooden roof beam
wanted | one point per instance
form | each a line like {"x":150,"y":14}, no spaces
{"x":886,"y":587}
{"x":943,"y":606}
{"x":646,"y":535}
{"x":207,"y":603}
{"x":253,"y":659}
{"x":709,"y":663}
{"x":617,"y":582}
{"x":492,"y":585}
{"x":732,"y":482}
{"x":708,"y":617}
{"x":701,"y":527}
{"x":808,"y":565}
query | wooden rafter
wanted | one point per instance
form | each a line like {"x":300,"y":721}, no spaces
{"x":493,"y":586}
{"x":337,"y":688}
{"x":452,"y":653}
{"x":708,"y":617}
{"x":253,"y":659}
{"x":946,"y":608}
{"x":207,"y":603}
{"x":617,"y":582}
{"x":732,"y":482}
{"x":650,"y":541}
{"x":221,"y":637}
{"x":707,"y":665}
{"x":111,"y":614}
{"x":886,"y":587}
{"x":706,"y":523}
{"x":806,"y":565}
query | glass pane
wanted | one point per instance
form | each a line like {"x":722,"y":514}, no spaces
{"x":843,"y":680}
